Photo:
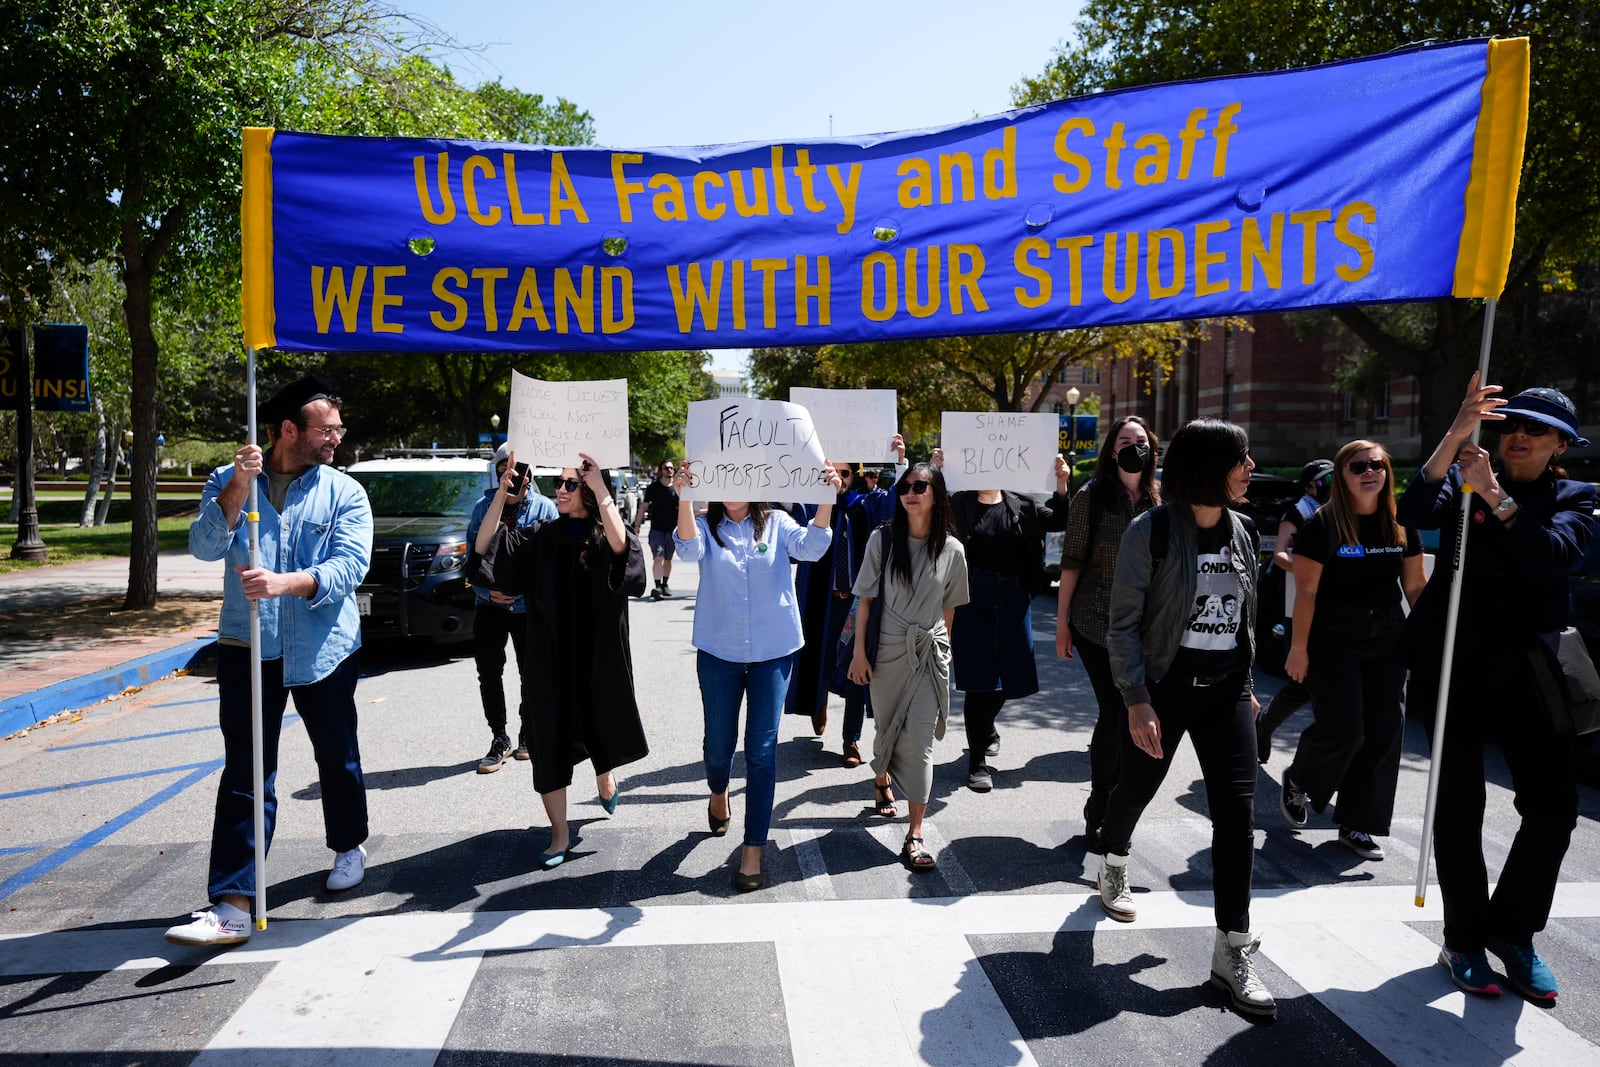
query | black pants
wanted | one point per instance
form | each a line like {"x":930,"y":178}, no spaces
{"x":1495,"y":704}
{"x":1221,"y":722}
{"x":491,"y":625}
{"x":1353,"y":744}
{"x":1288,"y":700}
{"x":1110,"y":728}
{"x":979,"y":711}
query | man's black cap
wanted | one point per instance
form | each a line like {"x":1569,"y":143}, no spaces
{"x":287,"y":402}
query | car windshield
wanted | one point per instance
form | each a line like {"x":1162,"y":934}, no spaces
{"x":396,"y":494}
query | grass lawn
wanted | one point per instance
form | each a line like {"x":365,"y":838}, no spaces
{"x":75,"y":544}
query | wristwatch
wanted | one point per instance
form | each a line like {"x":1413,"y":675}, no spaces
{"x":1504,"y":506}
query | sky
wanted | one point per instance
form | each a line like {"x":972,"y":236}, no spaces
{"x":702,"y":72}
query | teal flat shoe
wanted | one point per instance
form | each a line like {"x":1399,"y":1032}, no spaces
{"x":549,"y":861}
{"x":610,"y":803}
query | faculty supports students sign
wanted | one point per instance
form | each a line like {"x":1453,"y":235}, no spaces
{"x":1380,"y":179}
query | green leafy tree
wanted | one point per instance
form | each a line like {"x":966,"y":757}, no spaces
{"x":121,"y":130}
{"x":1122,"y":43}
{"x":995,"y":372}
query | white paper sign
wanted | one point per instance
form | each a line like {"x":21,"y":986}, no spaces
{"x":855,"y":425}
{"x":740,"y":448}
{"x":1013,"y":450}
{"x":551,"y":422}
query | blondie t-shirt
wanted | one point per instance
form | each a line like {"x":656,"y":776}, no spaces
{"x":1211,"y":645}
{"x":1363,"y":575}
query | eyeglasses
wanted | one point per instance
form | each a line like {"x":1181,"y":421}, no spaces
{"x":569,"y":484}
{"x":330,"y":433}
{"x":1531,"y":427}
{"x":1362,"y":466}
{"x":1244,"y":457}
{"x":912,"y":487}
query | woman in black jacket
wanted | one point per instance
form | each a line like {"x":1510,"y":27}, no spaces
{"x":992,"y":642}
{"x":1528,"y":525}
{"x":577,"y":573}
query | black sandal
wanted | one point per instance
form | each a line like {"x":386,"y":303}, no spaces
{"x":915,"y":856}
{"x":885,"y":801}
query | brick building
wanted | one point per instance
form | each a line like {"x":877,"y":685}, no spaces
{"x":1275,"y":384}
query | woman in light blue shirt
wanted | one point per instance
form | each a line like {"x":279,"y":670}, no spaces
{"x":746,"y":630}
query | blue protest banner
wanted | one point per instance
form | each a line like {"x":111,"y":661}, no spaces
{"x":60,"y":367}
{"x":1387,"y":178}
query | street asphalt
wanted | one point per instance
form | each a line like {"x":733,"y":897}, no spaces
{"x":454,"y":950}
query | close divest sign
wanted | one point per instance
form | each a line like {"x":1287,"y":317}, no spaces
{"x":1388,"y":178}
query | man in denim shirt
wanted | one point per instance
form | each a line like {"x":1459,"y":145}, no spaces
{"x":499,"y":616}
{"x":316,"y":544}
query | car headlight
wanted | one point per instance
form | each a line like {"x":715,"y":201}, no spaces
{"x":449,"y":557}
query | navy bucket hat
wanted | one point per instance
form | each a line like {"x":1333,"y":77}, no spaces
{"x":1549,"y":406}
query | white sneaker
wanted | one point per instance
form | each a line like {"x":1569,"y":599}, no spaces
{"x":1115,"y":897}
{"x":1233,"y":968}
{"x":349,"y":868}
{"x":231,"y":927}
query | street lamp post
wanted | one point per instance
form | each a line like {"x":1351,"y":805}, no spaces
{"x":1073,"y":396}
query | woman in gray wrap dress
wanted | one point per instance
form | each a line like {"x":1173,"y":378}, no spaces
{"x":926,"y":581}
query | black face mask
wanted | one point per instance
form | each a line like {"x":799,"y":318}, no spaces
{"x":1134,"y":458}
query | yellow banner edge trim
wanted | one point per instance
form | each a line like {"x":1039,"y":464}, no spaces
{"x":1484,"y":256}
{"x":255,"y":221}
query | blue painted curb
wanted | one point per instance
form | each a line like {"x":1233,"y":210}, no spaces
{"x":21,"y":712}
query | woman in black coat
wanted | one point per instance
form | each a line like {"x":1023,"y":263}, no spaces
{"x":577,"y":574}
{"x":1528,"y":525}
{"x":991,"y":644}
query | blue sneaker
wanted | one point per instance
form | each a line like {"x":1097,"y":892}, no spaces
{"x":1470,"y":971}
{"x":1526,"y":972}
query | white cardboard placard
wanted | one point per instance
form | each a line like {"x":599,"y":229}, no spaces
{"x":740,"y":448}
{"x":1013,"y":450}
{"x":855,"y":425}
{"x":551,"y":422}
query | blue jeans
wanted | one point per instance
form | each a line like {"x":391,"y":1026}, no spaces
{"x":722,"y":686}
{"x":328,"y":710}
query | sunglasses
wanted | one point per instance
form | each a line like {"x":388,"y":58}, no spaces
{"x":1531,"y":427}
{"x":912,"y":487}
{"x":569,"y":484}
{"x":1362,"y":466}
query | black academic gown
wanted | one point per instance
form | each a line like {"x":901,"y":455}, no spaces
{"x":577,"y":681}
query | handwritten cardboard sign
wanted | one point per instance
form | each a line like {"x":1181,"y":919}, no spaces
{"x":740,"y":448}
{"x":1000,"y":450}
{"x":551,"y":422}
{"x":854,"y":425}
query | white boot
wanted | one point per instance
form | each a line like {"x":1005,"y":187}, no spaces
{"x":1233,"y":968}
{"x":1115,"y":897}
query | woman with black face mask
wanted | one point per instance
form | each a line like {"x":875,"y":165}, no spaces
{"x":1124,"y":485}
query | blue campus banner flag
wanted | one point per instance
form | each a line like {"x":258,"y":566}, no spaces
{"x":1388,"y":178}
{"x":60,"y":367}
{"x":13,"y":370}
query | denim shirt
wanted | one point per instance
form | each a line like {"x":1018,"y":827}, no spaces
{"x":536,"y":507}
{"x":325,"y":529}
{"x":746,"y":610}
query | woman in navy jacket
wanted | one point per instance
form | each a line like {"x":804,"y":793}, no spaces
{"x":1528,"y":525}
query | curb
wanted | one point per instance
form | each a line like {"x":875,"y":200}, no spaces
{"x":29,"y":709}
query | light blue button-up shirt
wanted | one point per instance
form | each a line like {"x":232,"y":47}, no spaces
{"x":535,"y":507}
{"x":325,"y":529}
{"x":745,"y":610}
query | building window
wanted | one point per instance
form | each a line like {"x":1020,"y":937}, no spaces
{"x":1348,"y":412}
{"x":1380,"y":407}
{"x":1091,"y":376}
{"x":1059,"y":408}
{"x":1227,"y":397}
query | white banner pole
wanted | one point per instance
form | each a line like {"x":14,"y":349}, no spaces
{"x":257,"y":770}
{"x":1458,"y":564}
